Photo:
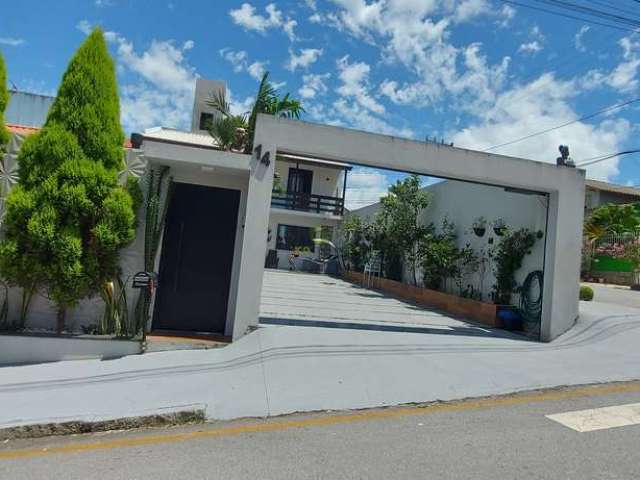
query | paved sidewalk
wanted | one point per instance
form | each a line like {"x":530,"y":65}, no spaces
{"x":284,"y":369}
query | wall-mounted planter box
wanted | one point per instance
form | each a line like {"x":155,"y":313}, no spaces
{"x":464,"y":307}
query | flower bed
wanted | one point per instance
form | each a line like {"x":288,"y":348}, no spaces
{"x":465,"y":307}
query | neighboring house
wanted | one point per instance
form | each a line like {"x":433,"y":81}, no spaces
{"x":27,"y":109}
{"x":600,"y":193}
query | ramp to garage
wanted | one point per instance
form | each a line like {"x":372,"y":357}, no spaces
{"x":305,"y":299}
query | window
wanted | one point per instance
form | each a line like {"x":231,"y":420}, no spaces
{"x":291,"y":237}
{"x":206,"y":120}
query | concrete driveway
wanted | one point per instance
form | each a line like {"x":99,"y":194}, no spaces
{"x":304,"y":299}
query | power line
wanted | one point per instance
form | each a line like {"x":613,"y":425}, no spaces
{"x":593,"y":12}
{"x":602,"y":158}
{"x":566,"y":15}
{"x":586,"y":117}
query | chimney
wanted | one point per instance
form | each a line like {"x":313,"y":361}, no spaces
{"x":203,"y":114}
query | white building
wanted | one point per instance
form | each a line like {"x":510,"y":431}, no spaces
{"x":223,"y":215}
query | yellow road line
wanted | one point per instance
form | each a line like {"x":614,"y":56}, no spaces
{"x":510,"y":400}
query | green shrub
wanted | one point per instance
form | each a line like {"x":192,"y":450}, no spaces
{"x":68,"y":217}
{"x":586,"y":293}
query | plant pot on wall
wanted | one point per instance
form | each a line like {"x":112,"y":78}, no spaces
{"x":479,"y":231}
{"x":499,"y":227}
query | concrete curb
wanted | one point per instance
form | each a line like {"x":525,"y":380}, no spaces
{"x":185,"y":417}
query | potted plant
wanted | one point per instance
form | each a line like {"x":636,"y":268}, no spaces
{"x":479,"y":226}
{"x":499,"y":227}
{"x":508,"y":256}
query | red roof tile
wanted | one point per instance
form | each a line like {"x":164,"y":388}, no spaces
{"x":21,"y":129}
{"x":24,"y":130}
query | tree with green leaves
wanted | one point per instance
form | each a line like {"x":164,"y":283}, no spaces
{"x":4,"y":101}
{"x":68,"y":217}
{"x":611,"y":218}
{"x":227,"y":126}
{"x":399,"y":220}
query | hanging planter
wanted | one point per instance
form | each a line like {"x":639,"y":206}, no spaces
{"x":499,"y":227}
{"x":479,"y":226}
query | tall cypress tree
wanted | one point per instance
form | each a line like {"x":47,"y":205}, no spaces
{"x":68,"y":217}
{"x":4,"y":101}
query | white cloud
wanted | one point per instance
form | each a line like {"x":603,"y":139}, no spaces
{"x":624,"y":76}
{"x":161,"y":91}
{"x":466,"y":10}
{"x":104,"y":3}
{"x":530,"y":47}
{"x":246,"y":17}
{"x":238,"y":59}
{"x":306,"y":57}
{"x":577,"y":40}
{"x":84,"y":26}
{"x":355,"y":79}
{"x":313,"y":84}
{"x":240,"y":63}
{"x":506,"y":14}
{"x":364,"y":187}
{"x":163,"y":64}
{"x":541,"y":104}
{"x":257,"y":69}
{"x":416,"y":34}
{"x":11,"y":41}
{"x":288,"y":28}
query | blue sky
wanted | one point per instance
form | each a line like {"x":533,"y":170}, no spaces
{"x":474,"y":72}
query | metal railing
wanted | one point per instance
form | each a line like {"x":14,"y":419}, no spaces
{"x":308,"y":202}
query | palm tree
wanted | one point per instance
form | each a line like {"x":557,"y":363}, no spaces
{"x":267,"y":101}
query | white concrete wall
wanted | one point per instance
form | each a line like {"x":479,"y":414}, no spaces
{"x":24,"y":349}
{"x":462,"y":203}
{"x":565,"y":187}
{"x":204,"y":90}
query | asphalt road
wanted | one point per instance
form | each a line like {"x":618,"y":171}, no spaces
{"x":615,"y":294}
{"x":501,"y":438}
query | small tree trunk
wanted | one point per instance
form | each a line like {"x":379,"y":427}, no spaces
{"x":62,"y":315}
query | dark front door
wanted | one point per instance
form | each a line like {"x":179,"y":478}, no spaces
{"x":197,"y":255}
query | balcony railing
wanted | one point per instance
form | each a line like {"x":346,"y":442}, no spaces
{"x":308,"y":202}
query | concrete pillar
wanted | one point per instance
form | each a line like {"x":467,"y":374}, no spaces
{"x":254,"y":239}
{"x":562,"y":261}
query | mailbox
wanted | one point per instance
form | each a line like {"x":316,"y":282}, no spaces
{"x":145,"y":280}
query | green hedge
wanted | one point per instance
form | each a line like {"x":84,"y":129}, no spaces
{"x":605,"y":263}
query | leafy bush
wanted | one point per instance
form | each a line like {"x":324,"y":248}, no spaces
{"x":68,"y":217}
{"x":399,"y":225}
{"x":586,"y":293}
{"x":508,"y":257}
{"x":438,"y":254}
